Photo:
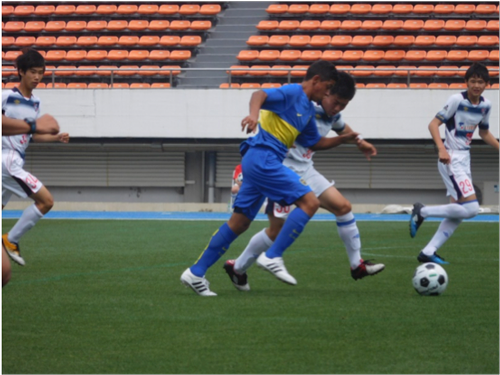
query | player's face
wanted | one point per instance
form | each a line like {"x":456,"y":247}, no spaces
{"x":333,"y":104}
{"x":320,"y":89}
{"x":475,"y":86}
{"x":32,"y":77}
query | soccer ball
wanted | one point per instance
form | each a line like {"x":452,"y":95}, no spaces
{"x":430,"y":279}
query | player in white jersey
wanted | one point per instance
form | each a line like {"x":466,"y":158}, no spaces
{"x":300,"y":160}
{"x":19,"y":104}
{"x":462,"y":114}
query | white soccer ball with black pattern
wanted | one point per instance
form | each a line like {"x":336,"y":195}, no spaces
{"x":430,"y":279}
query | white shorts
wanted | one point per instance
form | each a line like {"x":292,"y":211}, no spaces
{"x":316,"y":181}
{"x":457,"y":176}
{"x":15,"y":180}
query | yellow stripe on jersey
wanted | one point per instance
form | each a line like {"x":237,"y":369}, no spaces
{"x":275,"y":125}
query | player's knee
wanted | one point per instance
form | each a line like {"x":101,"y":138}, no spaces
{"x":344,"y":208}
{"x":45,"y":204}
{"x":471,"y":208}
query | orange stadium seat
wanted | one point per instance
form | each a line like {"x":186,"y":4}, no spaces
{"x":423,"y":8}
{"x":258,"y":40}
{"x":279,"y":40}
{"x":190,"y":40}
{"x":493,"y":55}
{"x":436,"y":55}
{"x":299,"y":70}
{"x":289,"y":25}
{"x":267,"y":25}
{"x":86,"y":41}
{"x":137,"y":85}
{"x":444,"y":8}
{"x":454,"y":25}
{"x":376,"y":86}
{"x":128,"y":70}
{"x":269,"y":55}
{"x":381,"y":8}
{"x":116,"y":54}
{"x":465,"y":8}
{"x":49,"y":69}
{"x":355,"y":55}
{"x":24,"y":10}
{"x":425,"y":40}
{"x":475,"y":25}
{"x":311,"y":55}
{"x":392,"y":25}
{"x":319,"y":8}
{"x":373,"y":55}
{"x":106,"y":9}
{"x":8,"y":41}
{"x":493,"y":73}
{"x":362,"y":40}
{"x":425,"y":71}
{"x":160,"y":85}
{"x":269,"y":85}
{"x":418,"y":85}
{"x":238,"y":72}
{"x":345,"y":68}
{"x":246,"y":55}
{"x":15,"y":26}
{"x":309,"y":25}
{"x":9,"y":71}
{"x":189,"y":9}
{"x":97,"y":25}
{"x":7,"y":10}
{"x":210,"y":9}
{"x":350,"y":25}
{"x":433,"y":25}
{"x":170,"y":40}
{"x":341,"y":40}
{"x":76,"y":85}
{"x":458,"y":86}
{"x":250,"y":86}
{"x":138,"y":25}
{"x":148,"y":9}
{"x":383,"y":40}
{"x":149,"y":40}
{"x":304,"y":40}
{"x":277,"y":8}
{"x":180,"y":55}
{"x":44,"y":10}
{"x":404,"y":40}
{"x":290,"y":55}
{"x":24,"y":41}
{"x":363,"y":71}
{"x":495,"y":86}
{"x":83,"y":69}
{"x":340,"y":8}
{"x":127,"y":9}
{"x":360,"y":85}
{"x":103,"y":72}
{"x":98,"y":85}
{"x":457,"y":55}
{"x":467,"y":40}
{"x":76,"y":55}
{"x":492,"y":25}
{"x":55,"y":55}
{"x":279,"y":73}
{"x":139,"y":55}
{"x":169,"y":9}
{"x":11,"y":85}
{"x":415,"y":55}
{"x":128,"y":40}
{"x":402,"y":8}
{"x":404,"y":70}
{"x":486,"y":8}
{"x":330,"y":55}
{"x":117,"y":25}
{"x":395,"y":55}
{"x":358,"y":8}
{"x":438,"y":85}
{"x":444,"y":71}
{"x":55,"y":26}
{"x":85,"y":9}
{"x":180,"y":25}
{"x":145,"y":70}
{"x":255,"y":70}
{"x":385,"y":70}
{"x":107,"y":40}
{"x":413,"y":25}
{"x":159,"y":25}
{"x":298,"y":8}
{"x":397,"y":86}
{"x":371,"y":25}
{"x":119,"y":85}
{"x":56,"y":85}
{"x":446,"y":40}
{"x":226,"y":86}
{"x":170,"y":71}
{"x":76,"y":26}
{"x":330,"y":25}
{"x":488,"y":40}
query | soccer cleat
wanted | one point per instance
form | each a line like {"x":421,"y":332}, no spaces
{"x":277,"y":267}
{"x":13,"y":250}
{"x":199,"y":284}
{"x":239,"y":280}
{"x":416,"y":219}
{"x":434,"y":258}
{"x":366,"y":268}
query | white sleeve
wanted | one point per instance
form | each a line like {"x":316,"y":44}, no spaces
{"x":338,"y":124}
{"x":485,"y":123}
{"x":450,"y":108}
{"x":5,"y":95}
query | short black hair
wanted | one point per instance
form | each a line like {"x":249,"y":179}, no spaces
{"x":345,"y":86}
{"x":325,"y":69}
{"x":29,"y":59}
{"x":478,"y":70}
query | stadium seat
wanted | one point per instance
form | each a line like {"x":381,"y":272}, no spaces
{"x":138,"y":25}
{"x":289,"y":25}
{"x":384,"y":70}
{"x":278,"y":40}
{"x":332,"y":55}
{"x":304,"y":40}
{"x":444,"y":72}
{"x":375,"y":86}
{"x":397,"y":86}
{"x":404,"y":70}
{"x":433,"y":25}
{"x":465,"y":8}
{"x":358,"y":8}
{"x":148,"y":9}
{"x":340,"y":8}
{"x":34,"y":26}
{"x":41,"y":85}
{"x":149,"y":40}
{"x":170,"y":40}
{"x":106,"y":9}
{"x":160,"y":85}
{"x":269,"y":85}
{"x":120,"y":85}
{"x":116,"y":54}
{"x":250,"y":86}
{"x":475,"y":25}
{"x":76,"y":55}
{"x":395,"y":55}
{"x":189,"y":40}
{"x":56,"y":85}
{"x":404,"y":40}
{"x":363,"y":71}
{"x":8,"y":41}
{"x":107,"y":40}
{"x":117,"y":25}
{"x":319,"y":8}
{"x":246,"y":55}
{"x":402,"y":8}
{"x":341,"y":40}
{"x":311,"y":55}
{"x":7,"y":10}
{"x":55,"y":55}
{"x":96,"y":25}
{"x":486,"y":8}
{"x":350,"y":25}
{"x":145,"y":70}
{"x":76,"y":26}
{"x":345,"y":68}
{"x":83,"y":70}
{"x":103,"y":72}
{"x":415,"y":55}
{"x":446,"y":40}
{"x":159,"y":55}
{"x":298,"y":8}
{"x":171,"y":70}
{"x":9,"y":71}
{"x":423,"y":8}
{"x":299,"y":70}
{"x":226,"y":86}
{"x":238,"y":72}
{"x":458,"y":86}
{"x":371,"y":25}
{"x":49,"y":69}
{"x":373,"y":55}
{"x":392,"y":24}
{"x":15,"y":26}
{"x":256,"y":70}
{"x":279,"y":73}
{"x":128,"y":40}
{"x":330,"y":25}
{"x":267,"y":25}
{"x":55,"y":26}
{"x":159,"y":25}
{"x":24,"y":10}
{"x":492,"y":25}
{"x":269,"y":55}
{"x":137,"y":85}
{"x":44,"y":10}
{"x":210,"y":9}
{"x":180,"y":55}
{"x":290,"y":55}
{"x":438,"y":85}
{"x":362,"y":40}
{"x":128,"y":70}
{"x":354,"y":55}
{"x":436,"y":55}
{"x":425,"y":71}
{"x":24,"y":41}
{"x":488,"y":40}
{"x":466,"y":40}
{"x":383,"y":40}
{"x":454,"y":25}
{"x":381,"y":8}
{"x":168,"y":9}
{"x":425,"y":40}
{"x":86,"y":41}
{"x":84,"y":9}
{"x":309,"y":25}
{"x":11,"y":85}
{"x":139,"y":55}
{"x":98,"y":85}
{"x":495,"y":86}
{"x":418,"y":85}
{"x":258,"y":40}
{"x":189,"y":9}
{"x":444,"y":8}
{"x":360,"y":85}
{"x":180,"y":25}
{"x":277,"y":8}
{"x":127,"y":9}
{"x":493,"y":73}
{"x":413,"y":25}
{"x":76,"y":85}
{"x":457,"y":55}
{"x":493,"y":55}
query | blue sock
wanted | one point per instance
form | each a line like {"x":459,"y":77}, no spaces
{"x":216,"y":248}
{"x":293,"y":227}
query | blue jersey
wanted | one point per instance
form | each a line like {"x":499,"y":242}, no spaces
{"x":286,"y":116}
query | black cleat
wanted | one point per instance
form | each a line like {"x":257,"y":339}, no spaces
{"x":239,"y":281}
{"x":366,"y":268}
{"x":416,"y":219}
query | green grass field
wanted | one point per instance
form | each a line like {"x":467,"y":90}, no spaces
{"x":105,"y":297}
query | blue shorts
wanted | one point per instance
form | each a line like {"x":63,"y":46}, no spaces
{"x":264,"y":175}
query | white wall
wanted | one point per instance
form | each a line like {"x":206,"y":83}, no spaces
{"x":216,"y":114}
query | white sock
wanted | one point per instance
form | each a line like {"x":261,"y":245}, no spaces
{"x":444,"y":232}
{"x":28,"y":219}
{"x":259,"y":243}
{"x":349,"y":233}
{"x":464,"y":210}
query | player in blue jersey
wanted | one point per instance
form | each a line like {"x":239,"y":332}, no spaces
{"x":300,"y":160}
{"x":19,"y":104}
{"x":286,"y":116}
{"x":462,"y":114}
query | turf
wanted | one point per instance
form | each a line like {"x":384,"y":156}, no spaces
{"x":105,"y":297}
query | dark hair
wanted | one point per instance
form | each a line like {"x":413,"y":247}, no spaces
{"x":325,"y":69}
{"x":29,"y":59}
{"x":345,"y":86}
{"x":478,"y":70}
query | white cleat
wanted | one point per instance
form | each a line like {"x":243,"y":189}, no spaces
{"x":199,"y":284}
{"x":277,"y":267}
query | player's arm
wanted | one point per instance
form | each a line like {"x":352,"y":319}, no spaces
{"x":488,"y":138}
{"x":45,"y":124}
{"x":326,"y":143}
{"x":61,"y":137}
{"x":250,"y":122}
{"x":444,"y":157}
{"x":365,"y":147}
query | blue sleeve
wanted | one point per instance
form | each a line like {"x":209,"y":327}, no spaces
{"x":310,"y":135}
{"x":279,"y":99}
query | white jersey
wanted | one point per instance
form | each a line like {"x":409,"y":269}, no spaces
{"x":299,"y":158}
{"x":462,"y":118}
{"x":16,"y":106}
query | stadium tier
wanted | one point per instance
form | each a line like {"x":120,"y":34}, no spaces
{"x":416,"y":45}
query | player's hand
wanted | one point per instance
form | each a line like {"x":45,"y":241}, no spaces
{"x":250,"y":123}
{"x":47,"y":124}
{"x":367,"y":149}
{"x":444,"y":157}
{"x":63,"y":137}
